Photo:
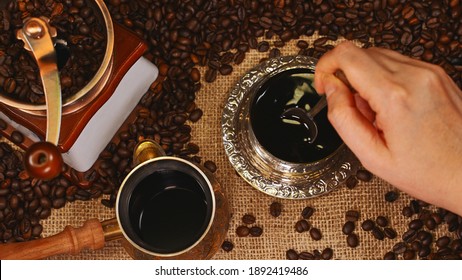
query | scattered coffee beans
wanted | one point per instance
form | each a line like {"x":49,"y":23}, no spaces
{"x":348,"y":227}
{"x":352,"y":240}
{"x":364,"y":175}
{"x":327,"y":254}
{"x":227,"y":246}
{"x":315,"y":234}
{"x":307,"y":212}
{"x":248,"y":219}
{"x":391,"y":196}
{"x":242,"y":231}
{"x":302,"y":226}
{"x":210,"y":165}
{"x":351,"y":182}
{"x":352,"y":215}
{"x":381,"y":221}
{"x":389,"y":256}
{"x":256,"y":231}
{"x":368,"y":225}
{"x":275,"y":209}
{"x":291,"y":254}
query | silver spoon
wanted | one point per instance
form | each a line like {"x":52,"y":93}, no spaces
{"x":306,"y":118}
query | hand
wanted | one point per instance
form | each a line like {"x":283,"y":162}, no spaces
{"x":403,"y":120}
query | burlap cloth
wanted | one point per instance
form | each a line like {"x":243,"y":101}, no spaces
{"x":279,"y":234}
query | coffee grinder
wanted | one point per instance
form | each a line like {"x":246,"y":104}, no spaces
{"x":79,"y":127}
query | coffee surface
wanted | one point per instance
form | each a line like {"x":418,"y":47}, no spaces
{"x":288,"y":141}
{"x":173,"y":218}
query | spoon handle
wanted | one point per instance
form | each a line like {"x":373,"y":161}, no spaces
{"x":318,"y":107}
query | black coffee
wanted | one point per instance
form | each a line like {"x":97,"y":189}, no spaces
{"x":168,"y":211}
{"x":284,"y":140}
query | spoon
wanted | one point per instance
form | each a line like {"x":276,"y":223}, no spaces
{"x":306,"y":117}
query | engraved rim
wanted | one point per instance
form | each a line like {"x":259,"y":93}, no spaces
{"x":260,"y":169}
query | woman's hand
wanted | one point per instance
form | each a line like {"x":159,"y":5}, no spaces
{"x":403,"y":120}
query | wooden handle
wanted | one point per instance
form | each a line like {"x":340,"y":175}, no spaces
{"x":69,"y":241}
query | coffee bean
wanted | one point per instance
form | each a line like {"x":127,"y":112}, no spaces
{"x":409,"y":254}
{"x":389,"y":256}
{"x":430,"y":223}
{"x":242,"y":231}
{"x":9,"y":85}
{"x":3,"y":202}
{"x":307,"y":212}
{"x":291,"y":254}
{"x":274,"y":53}
{"x":352,"y":240}
{"x":348,"y":228}
{"x":351,"y":182}
{"x":263,"y":46}
{"x":256,"y":231}
{"x":364,"y":175}
{"x":210,"y":165}
{"x":275,"y":209}
{"x":302,"y":225}
{"x":407,"y":211}
{"x":399,"y":248}
{"x":315,"y":234}
{"x":37,"y":230}
{"x":378,"y":233}
{"x":382,"y":221}
{"x":368,"y":225}
{"x":302,"y":44}
{"x":391,"y":196}
{"x":409,"y":235}
{"x":59,"y":203}
{"x":390,"y":233}
{"x":226,"y":69}
{"x":352,"y":215}
{"x":306,"y":256}
{"x":227,"y":246}
{"x":248,"y":219}
{"x":424,"y":252}
{"x":443,"y":241}
{"x":320,"y":41}
{"x":14,"y":201}
{"x":210,"y":75}
{"x":416,"y":224}
{"x":327,"y":254}
{"x":195,"y":115}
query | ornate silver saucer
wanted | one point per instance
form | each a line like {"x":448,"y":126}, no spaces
{"x":260,"y":168}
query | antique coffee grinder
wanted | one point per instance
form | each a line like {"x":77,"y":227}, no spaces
{"x":71,"y":127}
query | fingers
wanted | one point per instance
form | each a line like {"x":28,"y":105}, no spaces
{"x":366,"y":74}
{"x":356,"y":129}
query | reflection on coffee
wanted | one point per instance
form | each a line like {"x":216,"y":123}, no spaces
{"x":284,"y":139}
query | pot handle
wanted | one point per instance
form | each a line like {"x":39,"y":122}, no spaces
{"x":69,"y":241}
{"x":146,"y":150}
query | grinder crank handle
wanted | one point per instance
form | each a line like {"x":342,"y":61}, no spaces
{"x":70,"y":241}
{"x":42,"y":159}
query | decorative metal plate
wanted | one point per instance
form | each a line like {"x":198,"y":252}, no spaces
{"x":259,"y":168}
